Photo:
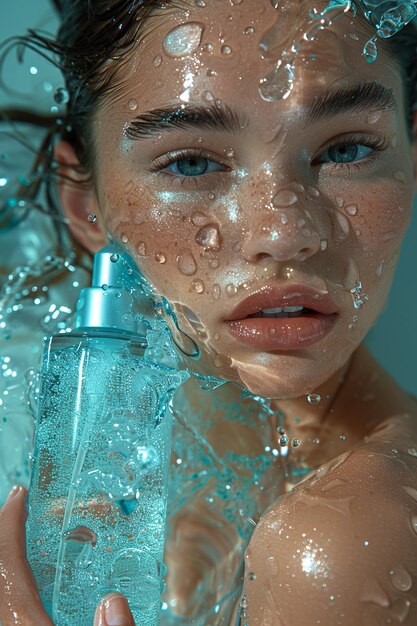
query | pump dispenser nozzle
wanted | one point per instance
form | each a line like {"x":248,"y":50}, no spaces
{"x":111,"y":301}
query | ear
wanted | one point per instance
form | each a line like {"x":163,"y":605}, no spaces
{"x":78,"y":199}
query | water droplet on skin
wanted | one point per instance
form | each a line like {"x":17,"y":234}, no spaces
{"x":277,"y":85}
{"x":209,"y":237}
{"x":217,"y":336}
{"x":124,"y":238}
{"x":230,"y":289}
{"x":183,"y":39}
{"x":284,"y":219}
{"x":283,"y":441}
{"x":340,"y":201}
{"x":285,"y":198}
{"x":380,"y":269}
{"x":197,"y":286}
{"x":199,"y":219}
{"x":186,"y":262}
{"x":295,"y":443}
{"x":208,"y":96}
{"x":230,"y":153}
{"x":237,"y":246}
{"x":216,"y":291}
{"x":412,"y":452}
{"x":400,"y":609}
{"x":92,"y":218}
{"x":212,"y":195}
{"x":343,"y":223}
{"x":157,"y":60}
{"x":400,"y":176}
{"x":314,"y":193}
{"x":208,"y":47}
{"x":300,"y":223}
{"x":401,"y":579}
{"x":128,"y":188}
{"x":132,"y":104}
{"x":252,"y":576}
{"x":313,"y":398}
{"x":160,"y":258}
{"x":373,"y":117}
{"x":61,"y":95}
{"x":243,"y":601}
{"x":323,"y":245}
{"x":141,"y":248}
{"x":414,"y":523}
{"x":249,"y":30}
{"x":226,"y":50}
{"x":370,"y":51}
{"x":352,"y":209}
{"x":214,"y":264}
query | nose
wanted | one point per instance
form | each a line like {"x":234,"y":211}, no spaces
{"x":282,"y":235}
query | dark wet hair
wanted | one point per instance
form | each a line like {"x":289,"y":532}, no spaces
{"x":93,"y":43}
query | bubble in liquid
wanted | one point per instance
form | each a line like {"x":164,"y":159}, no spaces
{"x":132,"y":104}
{"x":198,"y":286}
{"x":183,"y":39}
{"x":186,"y":262}
{"x":209,"y":237}
{"x":62,"y":95}
{"x":92,"y":218}
{"x":313,"y":398}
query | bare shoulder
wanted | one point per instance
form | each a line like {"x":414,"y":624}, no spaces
{"x":341,"y":548}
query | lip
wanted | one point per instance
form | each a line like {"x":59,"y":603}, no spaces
{"x":290,"y":333}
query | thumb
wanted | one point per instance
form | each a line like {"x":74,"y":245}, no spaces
{"x":113,"y":610}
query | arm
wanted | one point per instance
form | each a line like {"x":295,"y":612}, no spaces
{"x":341,"y":548}
{"x":19,"y":598}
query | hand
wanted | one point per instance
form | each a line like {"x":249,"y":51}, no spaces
{"x":20,"y":602}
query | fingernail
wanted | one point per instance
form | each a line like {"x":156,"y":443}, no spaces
{"x":15,"y":490}
{"x":117,"y":612}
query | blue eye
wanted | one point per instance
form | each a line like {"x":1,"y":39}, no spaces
{"x":193,"y":166}
{"x":348,"y":152}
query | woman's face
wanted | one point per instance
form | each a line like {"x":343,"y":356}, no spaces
{"x":232,"y":201}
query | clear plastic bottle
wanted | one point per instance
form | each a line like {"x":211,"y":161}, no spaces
{"x":97,"y":500}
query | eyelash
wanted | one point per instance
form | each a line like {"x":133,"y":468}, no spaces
{"x":377,"y":144}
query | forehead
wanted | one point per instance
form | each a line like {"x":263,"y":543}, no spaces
{"x":228,"y":51}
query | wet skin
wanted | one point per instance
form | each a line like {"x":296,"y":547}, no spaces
{"x":276,"y":209}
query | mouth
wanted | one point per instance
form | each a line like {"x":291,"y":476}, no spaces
{"x":283,"y":318}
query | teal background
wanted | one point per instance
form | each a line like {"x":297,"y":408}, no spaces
{"x":393,"y":340}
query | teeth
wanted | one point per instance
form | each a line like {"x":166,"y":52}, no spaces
{"x":285,"y":309}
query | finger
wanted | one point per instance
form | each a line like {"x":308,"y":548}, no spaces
{"x":113,"y":610}
{"x":20,"y":602}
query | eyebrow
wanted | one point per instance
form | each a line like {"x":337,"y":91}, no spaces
{"x":355,"y":99}
{"x":166,"y":119}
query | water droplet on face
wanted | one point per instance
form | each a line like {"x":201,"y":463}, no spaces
{"x":208,"y":96}
{"x":314,"y":193}
{"x":295,"y":443}
{"x":141,"y":248}
{"x":132,"y":104}
{"x":370,"y":51}
{"x":243,"y":601}
{"x":209,"y":237}
{"x":252,"y":576}
{"x":352,"y":209}
{"x":216,"y":291}
{"x":277,"y":85}
{"x":400,"y":176}
{"x":226,"y":50}
{"x":284,"y":198}
{"x":313,"y":398}
{"x":208,"y":47}
{"x":212,"y":195}
{"x":414,"y":523}
{"x":230,"y":289}
{"x":61,"y":95}
{"x":340,"y":201}
{"x":343,"y":223}
{"x":237,"y":246}
{"x":92,"y":218}
{"x":197,"y":286}
{"x":214,"y":264}
{"x":157,"y":60}
{"x":186,"y":262}
{"x":323,"y":245}
{"x":412,"y":452}
{"x":124,"y":238}
{"x":283,"y":441}
{"x":373,"y":117}
{"x":160,"y":258}
{"x":183,"y":39}
{"x":401,"y":579}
